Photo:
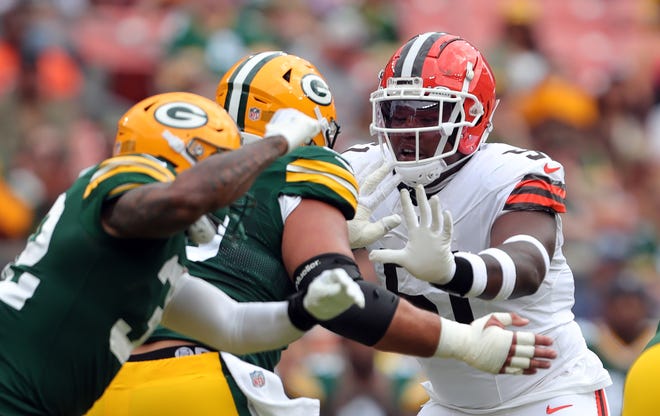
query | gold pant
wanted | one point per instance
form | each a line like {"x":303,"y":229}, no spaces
{"x":191,"y":385}
{"x":641,"y":394}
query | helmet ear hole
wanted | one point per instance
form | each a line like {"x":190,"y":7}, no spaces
{"x":287,"y":76}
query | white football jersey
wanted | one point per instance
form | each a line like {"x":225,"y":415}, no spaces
{"x":497,"y":179}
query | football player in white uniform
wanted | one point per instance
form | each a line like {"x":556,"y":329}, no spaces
{"x":482,"y":230}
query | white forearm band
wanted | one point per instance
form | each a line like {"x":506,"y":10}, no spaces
{"x":536,"y":243}
{"x":508,"y":271}
{"x":479,"y":273}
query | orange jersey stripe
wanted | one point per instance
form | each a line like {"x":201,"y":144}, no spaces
{"x":555,"y":188}
{"x":601,"y":403}
{"x":537,"y":193}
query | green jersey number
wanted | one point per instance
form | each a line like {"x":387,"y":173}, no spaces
{"x":15,"y":292}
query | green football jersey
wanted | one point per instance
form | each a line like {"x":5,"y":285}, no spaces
{"x":76,"y":301}
{"x":249,"y":267}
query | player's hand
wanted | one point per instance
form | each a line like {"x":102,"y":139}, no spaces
{"x":202,"y":231}
{"x":487,"y":346}
{"x":331,"y":293}
{"x":296,"y":127}
{"x":376,"y":183}
{"x":427,"y":254}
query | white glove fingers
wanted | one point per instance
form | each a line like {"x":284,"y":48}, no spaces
{"x":352,"y":289}
{"x":387,"y":184}
{"x":296,"y":127}
{"x":437,"y":216}
{"x":388,"y":256}
{"x":390,"y":222}
{"x":363,"y":174}
{"x":424,"y":207}
{"x":332,"y":293}
{"x":407,"y":209}
{"x":447,"y":226}
{"x":372,"y":181}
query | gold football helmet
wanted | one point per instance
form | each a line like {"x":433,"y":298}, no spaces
{"x":180,"y":127}
{"x":258,"y":85}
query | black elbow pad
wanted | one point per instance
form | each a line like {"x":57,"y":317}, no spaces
{"x":366,"y":326}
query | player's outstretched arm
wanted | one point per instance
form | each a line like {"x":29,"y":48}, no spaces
{"x":200,"y":310}
{"x":161,"y":209}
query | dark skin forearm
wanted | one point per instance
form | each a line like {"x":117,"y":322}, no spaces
{"x":530,"y":269}
{"x":413,"y":331}
{"x":162,"y":209}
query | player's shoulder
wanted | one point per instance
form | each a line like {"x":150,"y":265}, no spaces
{"x":503,"y":161}
{"x":121,"y":173}
{"x":135,"y":163}
{"x":314,"y":160}
{"x":320,"y":153}
{"x":362,"y":155}
{"x":314,"y":172}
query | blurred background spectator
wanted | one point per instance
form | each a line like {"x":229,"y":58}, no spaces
{"x":577,"y":79}
{"x":621,"y":330}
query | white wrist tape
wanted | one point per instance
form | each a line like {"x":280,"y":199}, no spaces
{"x":536,"y":243}
{"x":508,"y":271}
{"x":483,"y":348}
{"x":479,"y":273}
{"x":454,"y":337}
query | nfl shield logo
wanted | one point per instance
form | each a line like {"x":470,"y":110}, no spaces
{"x":258,"y":378}
{"x":254,"y":114}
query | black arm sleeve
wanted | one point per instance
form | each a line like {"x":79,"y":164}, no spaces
{"x":366,"y":326}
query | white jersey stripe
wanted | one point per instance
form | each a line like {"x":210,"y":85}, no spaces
{"x":239,"y":80}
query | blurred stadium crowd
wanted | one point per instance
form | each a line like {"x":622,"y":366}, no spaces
{"x":578,"y":79}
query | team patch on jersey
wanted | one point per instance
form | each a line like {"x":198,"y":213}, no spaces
{"x":338,"y":179}
{"x":538,"y":193}
{"x":128,"y":164}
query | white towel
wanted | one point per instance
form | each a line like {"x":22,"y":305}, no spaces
{"x":265,"y":392}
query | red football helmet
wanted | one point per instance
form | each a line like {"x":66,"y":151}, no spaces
{"x":436,"y":99}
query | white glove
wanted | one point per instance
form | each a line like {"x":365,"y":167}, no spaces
{"x":331,"y":294}
{"x":202,"y":231}
{"x":427,"y":255}
{"x":296,"y":127}
{"x":486,"y":348}
{"x":377,"y":182}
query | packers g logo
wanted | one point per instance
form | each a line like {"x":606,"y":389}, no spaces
{"x":316,"y":89}
{"x":181,"y":115}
